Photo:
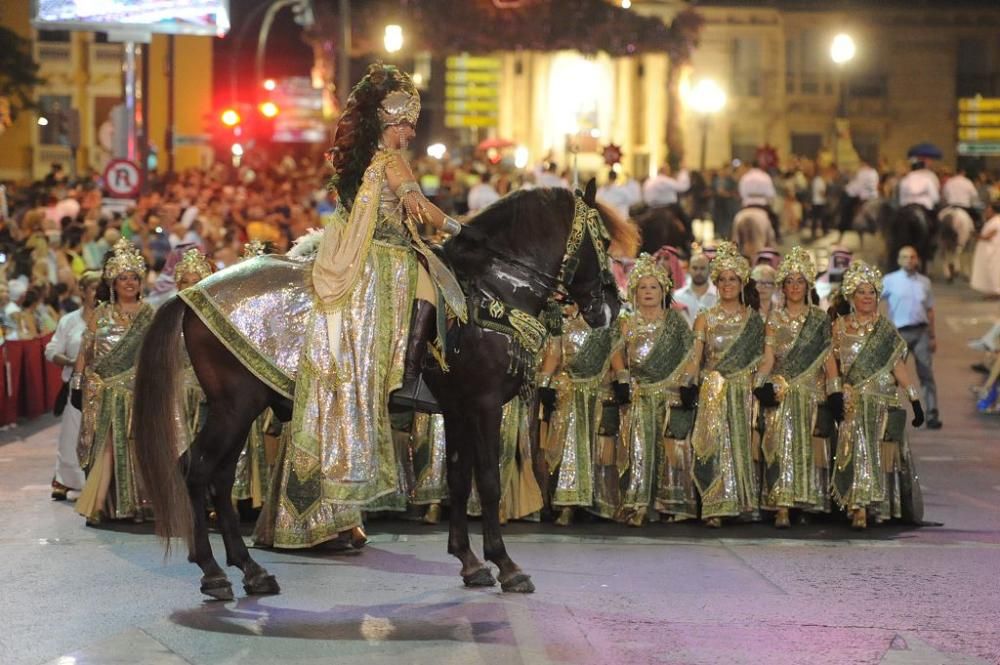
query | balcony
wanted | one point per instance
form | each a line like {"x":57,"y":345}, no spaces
{"x":105,"y":59}
{"x":54,"y":57}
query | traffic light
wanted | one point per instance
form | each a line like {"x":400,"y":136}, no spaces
{"x":230,"y":118}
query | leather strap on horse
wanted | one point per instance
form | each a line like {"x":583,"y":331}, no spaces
{"x":527,"y":333}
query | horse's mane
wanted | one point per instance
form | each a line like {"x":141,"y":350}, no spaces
{"x":625,"y":236}
{"x":514,"y":225}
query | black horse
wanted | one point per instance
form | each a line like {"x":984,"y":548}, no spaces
{"x":539,"y":240}
{"x":915,"y":226}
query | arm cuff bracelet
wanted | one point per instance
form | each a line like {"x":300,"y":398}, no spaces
{"x":451,"y":226}
{"x":912,"y":393}
{"x":834,"y":385}
{"x":406,"y":188}
{"x":544,"y":380}
{"x":622,"y":376}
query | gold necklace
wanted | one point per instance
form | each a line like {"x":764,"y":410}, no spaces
{"x":726,"y":317}
{"x":858,"y":325}
{"x":122,"y":316}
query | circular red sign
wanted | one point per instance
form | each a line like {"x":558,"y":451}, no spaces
{"x":122,"y":178}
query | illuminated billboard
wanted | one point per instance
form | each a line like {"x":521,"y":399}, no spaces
{"x":178,"y":17}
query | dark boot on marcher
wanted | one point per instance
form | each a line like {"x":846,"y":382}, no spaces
{"x":414,"y":395}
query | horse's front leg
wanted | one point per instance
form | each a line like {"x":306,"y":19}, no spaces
{"x":460,"y":450}
{"x":487,"y":464}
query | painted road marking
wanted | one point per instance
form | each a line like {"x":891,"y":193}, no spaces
{"x":950,"y":458}
{"x":36,"y":488}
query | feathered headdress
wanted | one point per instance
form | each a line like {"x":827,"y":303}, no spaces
{"x":647,"y":266}
{"x":797,"y":261}
{"x":125,"y":258}
{"x":860,"y":273}
{"x":194,"y":262}
{"x":728,"y":257}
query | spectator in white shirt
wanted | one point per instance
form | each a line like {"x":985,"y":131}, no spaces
{"x":62,"y":350}
{"x":482,"y":194}
{"x":756,"y":190}
{"x":699,"y":293}
{"x":919,"y":187}
{"x":959,"y":191}
{"x":616,"y":196}
{"x":550,"y":177}
{"x":663,"y":189}
{"x":819,"y":215}
{"x":861,"y":188}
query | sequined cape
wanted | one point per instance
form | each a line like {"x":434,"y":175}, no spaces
{"x":585,"y":355}
{"x":724,"y":472}
{"x":107,"y":403}
{"x":796,"y":465}
{"x":866,"y":470}
{"x":657,"y":470}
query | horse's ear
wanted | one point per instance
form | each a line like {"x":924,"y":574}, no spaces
{"x":590,"y":193}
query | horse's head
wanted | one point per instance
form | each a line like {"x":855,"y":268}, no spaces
{"x":586,"y":268}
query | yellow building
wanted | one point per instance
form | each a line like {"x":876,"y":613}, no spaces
{"x":83,"y":72}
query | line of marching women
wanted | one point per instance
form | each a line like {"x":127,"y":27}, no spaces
{"x":738,"y":418}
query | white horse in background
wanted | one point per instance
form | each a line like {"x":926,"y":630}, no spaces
{"x":752,"y":231}
{"x":957,"y":229}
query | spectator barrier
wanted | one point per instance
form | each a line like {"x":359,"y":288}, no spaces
{"x":29,"y":384}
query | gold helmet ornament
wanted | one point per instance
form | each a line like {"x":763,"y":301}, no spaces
{"x":797,"y":261}
{"x":860,"y":273}
{"x":647,"y":266}
{"x":193,"y":262}
{"x":728,"y":257}
{"x":126,"y":257}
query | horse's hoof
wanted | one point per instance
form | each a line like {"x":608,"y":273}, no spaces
{"x":217,"y":588}
{"x":518,"y":583}
{"x":261,"y":585}
{"x":482,"y":577}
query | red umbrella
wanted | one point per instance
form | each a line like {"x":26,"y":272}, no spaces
{"x":496,"y":143}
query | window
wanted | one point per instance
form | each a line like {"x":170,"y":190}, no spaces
{"x":53,"y":35}
{"x":974,"y":71}
{"x":805,"y":64}
{"x":807,"y":145}
{"x":746,"y":67}
{"x":866,"y":146}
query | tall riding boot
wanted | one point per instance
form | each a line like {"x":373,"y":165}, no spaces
{"x":414,"y":394}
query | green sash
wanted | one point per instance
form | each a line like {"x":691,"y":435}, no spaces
{"x":123,"y":355}
{"x":880,"y":350}
{"x":669,"y":350}
{"x":593,"y":355}
{"x":746,"y":349}
{"x":812,"y":342}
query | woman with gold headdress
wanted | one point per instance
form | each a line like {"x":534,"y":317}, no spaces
{"x":569,"y":388}
{"x":729,"y":343}
{"x":105,"y":371}
{"x":654,"y":361}
{"x":873,"y":471}
{"x":797,"y":376}
{"x":374,"y":281}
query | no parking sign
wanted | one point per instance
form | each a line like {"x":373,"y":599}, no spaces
{"x":122,"y":178}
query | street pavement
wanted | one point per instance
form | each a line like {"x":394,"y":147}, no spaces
{"x":670,"y":594}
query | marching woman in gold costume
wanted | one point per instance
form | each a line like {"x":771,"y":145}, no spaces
{"x":374,"y":280}
{"x":569,"y":388}
{"x":654,"y":361}
{"x":797,"y":376}
{"x":729,"y":343}
{"x":105,"y":372}
{"x":872,"y":457}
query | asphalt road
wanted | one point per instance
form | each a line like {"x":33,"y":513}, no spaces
{"x":606,"y":594}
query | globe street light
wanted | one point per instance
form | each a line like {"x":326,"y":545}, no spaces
{"x":707,"y":99}
{"x":393,"y":38}
{"x":842,"y":49}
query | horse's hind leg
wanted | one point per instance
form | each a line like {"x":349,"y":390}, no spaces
{"x":214,"y":582}
{"x":460,"y":451}
{"x":487,"y":464}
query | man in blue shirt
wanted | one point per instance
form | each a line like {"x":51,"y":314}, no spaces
{"x":911,"y":309}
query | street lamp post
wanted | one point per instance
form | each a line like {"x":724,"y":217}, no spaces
{"x":707,"y":99}
{"x":842,"y":51}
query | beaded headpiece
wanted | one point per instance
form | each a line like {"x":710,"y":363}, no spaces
{"x":126,"y":258}
{"x":255,"y":247}
{"x":194,"y":262}
{"x":647,"y":266}
{"x":400,"y":106}
{"x":860,"y":273}
{"x":797,"y":261}
{"x":728,"y":257}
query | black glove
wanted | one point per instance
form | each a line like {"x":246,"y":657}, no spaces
{"x":689,"y":396}
{"x":623,"y":394}
{"x":76,"y":399}
{"x":918,"y":413}
{"x":547,"y":398}
{"x":765,"y":395}
{"x":836,"y":403}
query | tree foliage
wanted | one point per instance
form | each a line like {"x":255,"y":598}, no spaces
{"x":18,"y":71}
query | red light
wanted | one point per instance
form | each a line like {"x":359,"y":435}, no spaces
{"x":269,"y":84}
{"x":269,"y":109}
{"x":230,"y":118}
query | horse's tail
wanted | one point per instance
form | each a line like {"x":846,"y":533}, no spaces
{"x":156,"y":423}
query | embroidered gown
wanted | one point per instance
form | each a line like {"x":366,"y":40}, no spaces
{"x":724,"y":470}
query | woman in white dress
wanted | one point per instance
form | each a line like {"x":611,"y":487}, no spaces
{"x":986,"y":260}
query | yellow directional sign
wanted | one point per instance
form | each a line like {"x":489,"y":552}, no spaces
{"x":471,"y":91}
{"x":473,"y":105}
{"x":459,"y":120}
{"x":978,"y":119}
{"x":979,"y":104}
{"x":472,"y":62}
{"x":467,"y":76}
{"x":978,"y":133}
